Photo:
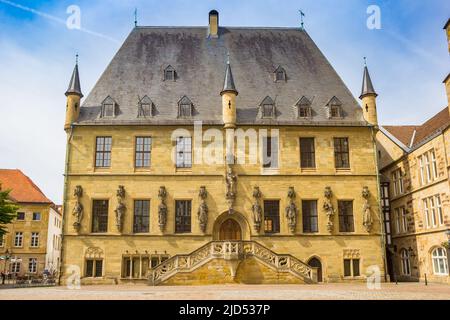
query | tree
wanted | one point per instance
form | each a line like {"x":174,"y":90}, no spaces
{"x":8,"y":210}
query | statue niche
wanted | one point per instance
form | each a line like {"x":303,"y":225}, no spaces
{"x":367,"y":214}
{"x":230,"y":179}
{"x":121,"y":208}
{"x":78,"y":208}
{"x":328,"y":208}
{"x":203,"y":209}
{"x":162,"y":208}
{"x":257,"y":209}
{"x":291,"y":210}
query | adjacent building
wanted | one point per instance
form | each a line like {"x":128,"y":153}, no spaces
{"x":33,"y":241}
{"x":221,"y":154}
{"x":414,"y":163}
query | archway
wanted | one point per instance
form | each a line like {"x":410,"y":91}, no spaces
{"x":233,"y":225}
{"x":315,"y":263}
{"x":230,"y":230}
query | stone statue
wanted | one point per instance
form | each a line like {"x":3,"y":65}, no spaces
{"x":291,"y":210}
{"x":257,"y":209}
{"x":367,"y":214}
{"x":203,"y":209}
{"x":328,"y":208}
{"x":121,"y":208}
{"x":78,"y":208}
{"x":162,"y":208}
{"x":230,"y":179}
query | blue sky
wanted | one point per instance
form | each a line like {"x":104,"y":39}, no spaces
{"x":407,"y":58}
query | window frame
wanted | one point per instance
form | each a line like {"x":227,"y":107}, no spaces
{"x":271,"y":216}
{"x":32,"y":265}
{"x":308,"y":153}
{"x":142,"y":216}
{"x":178,"y":151}
{"x":346,"y":221}
{"x":340,"y":150}
{"x":35,"y":240}
{"x":265,"y":148}
{"x":139,"y":155}
{"x":405,"y":262}
{"x":94,"y":262}
{"x":97,"y":230}
{"x":440,"y":260}
{"x":103,"y":162}
{"x":18,"y":238}
{"x":24,"y":216}
{"x":183,"y":222}
{"x":37,"y":215}
{"x":349,"y":265}
{"x":309,"y":227}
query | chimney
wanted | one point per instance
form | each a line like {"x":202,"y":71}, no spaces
{"x":213,"y":24}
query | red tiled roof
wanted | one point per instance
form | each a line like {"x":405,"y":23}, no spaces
{"x":23,"y":190}
{"x":404,"y":133}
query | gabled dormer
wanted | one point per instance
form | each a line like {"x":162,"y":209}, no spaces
{"x":279,"y":75}
{"x":109,"y":108}
{"x":145,"y":107}
{"x":334,"y":108}
{"x":267,"y":108}
{"x":169,"y":74}
{"x":185,"y":107}
{"x":303,"y":108}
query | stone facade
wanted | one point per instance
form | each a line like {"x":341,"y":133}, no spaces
{"x":223,"y":199}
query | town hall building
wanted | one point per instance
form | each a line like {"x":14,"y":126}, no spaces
{"x":209,"y":155}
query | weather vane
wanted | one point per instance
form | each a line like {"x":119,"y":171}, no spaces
{"x":302,"y":14}
{"x":365,"y":61}
{"x":135,"y":17}
{"x":76,"y":58}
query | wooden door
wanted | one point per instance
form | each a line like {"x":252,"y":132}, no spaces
{"x":230,"y":230}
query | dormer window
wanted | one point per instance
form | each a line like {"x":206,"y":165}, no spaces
{"x":304,"y":108}
{"x":334,"y":108}
{"x":108,"y":108}
{"x":267,"y":107}
{"x":185,"y":107}
{"x":145,"y":107}
{"x":280,"y":74}
{"x":169,"y":73}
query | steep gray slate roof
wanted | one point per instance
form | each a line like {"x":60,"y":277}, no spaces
{"x":200,"y":64}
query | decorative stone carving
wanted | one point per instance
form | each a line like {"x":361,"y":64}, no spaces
{"x":352,"y":254}
{"x":231,"y":180}
{"x":162,"y":208}
{"x":93,"y":253}
{"x":257,"y":209}
{"x":121,"y":208}
{"x":328,"y":208}
{"x":203,"y":209}
{"x":291,"y":210}
{"x":367,"y":214}
{"x":78,"y":208}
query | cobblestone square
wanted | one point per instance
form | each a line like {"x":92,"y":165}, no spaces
{"x":388,"y":291}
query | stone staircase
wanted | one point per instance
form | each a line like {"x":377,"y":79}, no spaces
{"x":234,"y":252}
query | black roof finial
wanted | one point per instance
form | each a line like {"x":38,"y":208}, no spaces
{"x":367,"y":85}
{"x":229,"y":85}
{"x":74,"y":85}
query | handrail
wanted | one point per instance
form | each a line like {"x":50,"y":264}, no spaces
{"x":230,"y":250}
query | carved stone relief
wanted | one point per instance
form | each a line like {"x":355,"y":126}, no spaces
{"x":203,"y":209}
{"x":257,"y":209}
{"x":231,"y":180}
{"x":291,"y":210}
{"x":162,"y":208}
{"x":367,"y":214}
{"x":121,"y":208}
{"x":78,"y":208}
{"x":328,"y":208}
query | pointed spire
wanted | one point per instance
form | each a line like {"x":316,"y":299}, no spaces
{"x":229,"y":85}
{"x":74,"y":85}
{"x":367,"y":86}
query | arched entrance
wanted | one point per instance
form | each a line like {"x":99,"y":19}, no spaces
{"x":230,"y":230}
{"x":315,"y":263}
{"x":231,"y":227}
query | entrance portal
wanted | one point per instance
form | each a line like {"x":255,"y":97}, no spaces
{"x":230,"y":231}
